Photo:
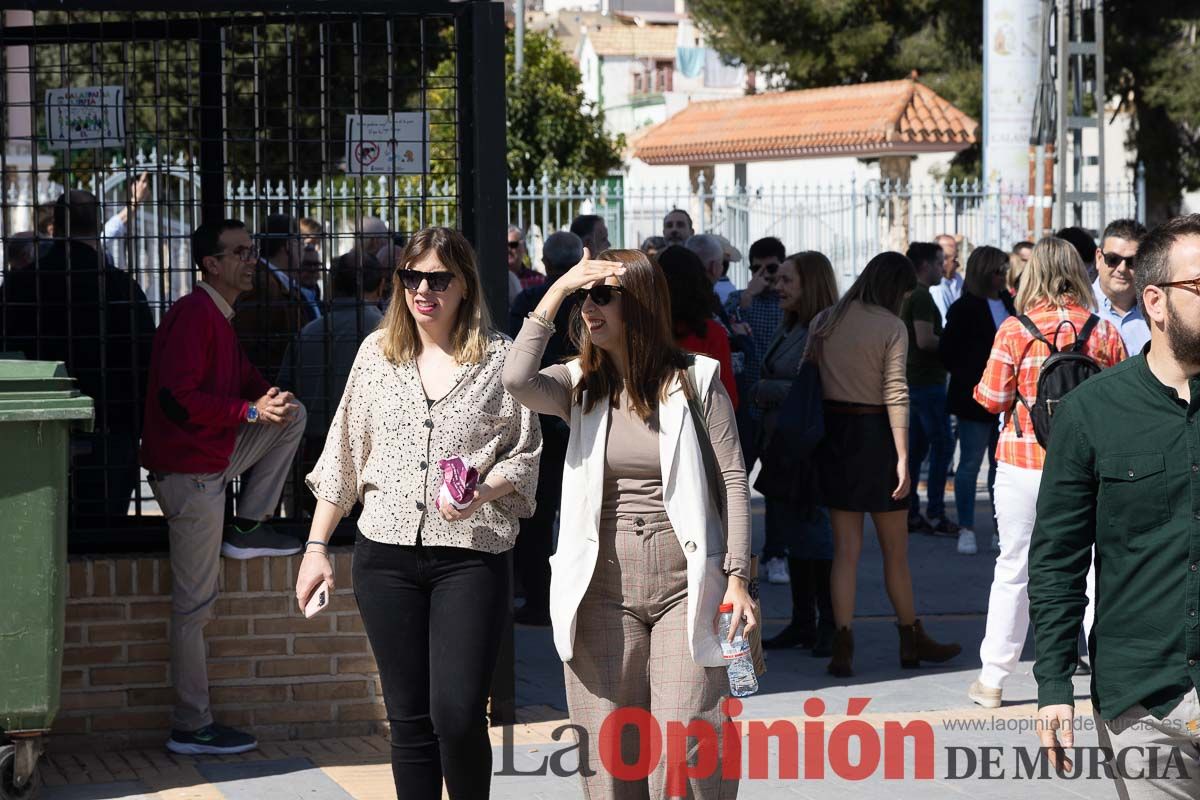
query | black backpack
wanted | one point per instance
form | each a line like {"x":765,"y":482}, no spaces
{"x":1060,"y":373}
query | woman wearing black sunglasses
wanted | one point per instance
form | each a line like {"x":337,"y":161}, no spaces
{"x":645,"y":555}
{"x":430,"y":578}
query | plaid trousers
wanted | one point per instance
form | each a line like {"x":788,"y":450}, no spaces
{"x":631,"y":650}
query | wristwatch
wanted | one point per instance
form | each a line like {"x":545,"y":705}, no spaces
{"x":252,"y":413}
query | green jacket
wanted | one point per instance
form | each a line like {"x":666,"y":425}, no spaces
{"x":1122,"y":474}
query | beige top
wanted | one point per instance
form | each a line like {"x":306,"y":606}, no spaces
{"x":633,"y":472}
{"x":385,"y":441}
{"x":863,"y":360}
{"x":632,"y":468}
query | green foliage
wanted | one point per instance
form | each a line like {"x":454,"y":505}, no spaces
{"x":1151,"y":60}
{"x":550,"y":126}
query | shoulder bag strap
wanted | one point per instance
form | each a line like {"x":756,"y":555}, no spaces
{"x":712,"y":473}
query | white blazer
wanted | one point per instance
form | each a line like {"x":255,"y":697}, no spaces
{"x":695,"y":519}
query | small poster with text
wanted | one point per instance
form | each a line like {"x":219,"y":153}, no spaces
{"x":380,"y":145}
{"x":80,"y":118}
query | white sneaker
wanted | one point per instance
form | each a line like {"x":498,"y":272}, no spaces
{"x":777,"y":571}
{"x":966,"y":542}
{"x":995,"y":543}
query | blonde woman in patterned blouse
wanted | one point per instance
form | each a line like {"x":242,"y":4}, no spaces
{"x":431,"y":584}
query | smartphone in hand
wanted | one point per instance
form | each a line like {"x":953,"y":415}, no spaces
{"x":318,"y":601}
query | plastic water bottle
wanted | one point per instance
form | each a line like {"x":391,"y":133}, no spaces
{"x":742,"y":680}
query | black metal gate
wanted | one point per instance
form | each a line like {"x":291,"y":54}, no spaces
{"x":250,"y":110}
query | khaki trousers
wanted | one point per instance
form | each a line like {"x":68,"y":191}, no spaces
{"x":194,"y":507}
{"x":1158,"y":758}
{"x":631,"y":650}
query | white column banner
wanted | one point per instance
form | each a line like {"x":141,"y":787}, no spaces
{"x":1011,"y":56}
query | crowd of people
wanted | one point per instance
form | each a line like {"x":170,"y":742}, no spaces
{"x":615,"y":445}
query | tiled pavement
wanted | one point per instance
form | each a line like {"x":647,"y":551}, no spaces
{"x":951,"y":598}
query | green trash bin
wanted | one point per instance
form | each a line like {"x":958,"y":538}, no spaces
{"x":39,"y":407}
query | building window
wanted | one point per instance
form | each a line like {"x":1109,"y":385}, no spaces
{"x":653,"y":77}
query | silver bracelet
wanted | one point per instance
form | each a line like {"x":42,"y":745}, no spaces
{"x":541,"y":320}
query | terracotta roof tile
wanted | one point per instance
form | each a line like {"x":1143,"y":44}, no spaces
{"x":890,"y":117}
{"x":621,"y":39}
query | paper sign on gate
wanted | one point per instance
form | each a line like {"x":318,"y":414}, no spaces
{"x":377,"y":145}
{"x":87,"y":117}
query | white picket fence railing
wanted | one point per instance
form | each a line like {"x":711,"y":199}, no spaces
{"x":849,"y":222}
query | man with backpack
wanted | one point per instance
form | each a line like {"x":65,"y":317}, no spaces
{"x":1122,"y":477}
{"x":1034,"y":363}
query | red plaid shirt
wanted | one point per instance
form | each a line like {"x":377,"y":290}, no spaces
{"x":1015,"y":363}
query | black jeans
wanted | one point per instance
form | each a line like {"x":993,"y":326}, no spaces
{"x":434,"y":616}
{"x":535,"y":544}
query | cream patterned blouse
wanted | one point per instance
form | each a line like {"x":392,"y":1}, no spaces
{"x":385,"y":440}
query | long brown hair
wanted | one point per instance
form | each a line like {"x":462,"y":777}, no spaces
{"x":817,"y":284}
{"x":653,"y":358}
{"x":472,"y":324}
{"x":884,"y":282}
{"x":984,"y":262}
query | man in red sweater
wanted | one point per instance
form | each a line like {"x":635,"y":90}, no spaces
{"x":211,"y":417}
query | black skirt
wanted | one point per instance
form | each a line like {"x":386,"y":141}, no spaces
{"x":857,"y":460}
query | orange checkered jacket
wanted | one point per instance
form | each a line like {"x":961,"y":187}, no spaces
{"x":1015,"y":363}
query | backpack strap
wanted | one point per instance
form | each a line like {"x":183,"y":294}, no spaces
{"x":1085,"y":334}
{"x":1038,"y":336}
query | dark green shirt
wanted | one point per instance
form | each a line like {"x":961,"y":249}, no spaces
{"x":1123,"y":474}
{"x":924,"y":368}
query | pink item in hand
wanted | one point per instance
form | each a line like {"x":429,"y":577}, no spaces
{"x":458,"y":483}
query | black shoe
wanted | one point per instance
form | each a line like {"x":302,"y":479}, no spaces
{"x":1082,"y":667}
{"x":538,"y":618}
{"x":823,"y":645}
{"x":918,"y":524}
{"x":944,"y":527}
{"x":260,"y":541}
{"x":211,"y":740}
{"x":791,"y":636}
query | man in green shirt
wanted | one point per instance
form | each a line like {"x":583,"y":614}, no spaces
{"x":1122,"y":474}
{"x":929,"y":421}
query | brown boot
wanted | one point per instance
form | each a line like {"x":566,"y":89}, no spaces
{"x":916,"y":646}
{"x":842,"y":663}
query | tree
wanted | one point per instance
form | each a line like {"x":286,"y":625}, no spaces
{"x":1151,"y":58}
{"x":551,"y":128}
{"x":813,"y":43}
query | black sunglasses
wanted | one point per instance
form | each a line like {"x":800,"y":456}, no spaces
{"x":1113,"y":260}
{"x":771,"y":267}
{"x":438,"y":281}
{"x":514,"y":245}
{"x":601,"y":294}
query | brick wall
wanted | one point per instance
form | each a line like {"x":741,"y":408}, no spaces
{"x":271,"y":670}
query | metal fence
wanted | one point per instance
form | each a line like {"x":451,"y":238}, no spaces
{"x":234,"y":110}
{"x":849,"y":222}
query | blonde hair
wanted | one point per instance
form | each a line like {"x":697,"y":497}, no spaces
{"x":472,"y":323}
{"x":1016,"y":268}
{"x":1055,"y":275}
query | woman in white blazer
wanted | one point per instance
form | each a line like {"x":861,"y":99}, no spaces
{"x":645,"y":556}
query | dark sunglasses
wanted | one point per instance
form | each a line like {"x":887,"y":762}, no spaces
{"x":514,"y":245}
{"x":1113,"y":260}
{"x":771,"y":268}
{"x":601,"y":295}
{"x":438,"y":281}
